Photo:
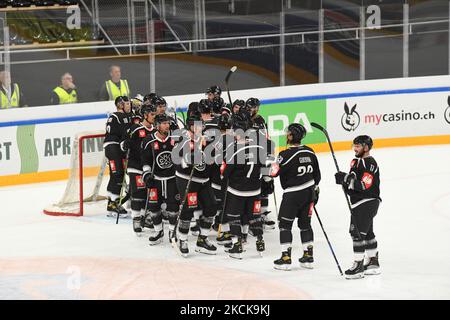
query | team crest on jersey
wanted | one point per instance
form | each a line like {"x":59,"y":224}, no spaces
{"x":142,"y":133}
{"x":192,"y":200}
{"x":202,"y":165}
{"x":164,"y":160}
{"x":153,"y":195}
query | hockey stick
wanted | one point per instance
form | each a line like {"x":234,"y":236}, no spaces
{"x":318,"y":126}
{"x":227,"y":78}
{"x":219,"y":230}
{"x":123,"y":182}
{"x":329,"y":243}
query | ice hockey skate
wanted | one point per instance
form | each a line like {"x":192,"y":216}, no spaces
{"x":260,"y":245}
{"x":205,"y":246}
{"x":236,"y":251}
{"x":307,"y":261}
{"x":224,"y":238}
{"x":114,"y":208}
{"x":182,"y":247}
{"x":356,"y":271}
{"x":157,"y":238}
{"x":137,"y":226}
{"x":372,"y":267}
{"x":285,"y":262}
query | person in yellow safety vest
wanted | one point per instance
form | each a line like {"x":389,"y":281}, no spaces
{"x":66,"y":92}
{"x":10,"y":94}
{"x":115,"y":87}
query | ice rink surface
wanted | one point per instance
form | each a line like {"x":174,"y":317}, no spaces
{"x":44,"y":257}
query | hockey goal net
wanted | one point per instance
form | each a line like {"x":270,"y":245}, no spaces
{"x":86,"y":171}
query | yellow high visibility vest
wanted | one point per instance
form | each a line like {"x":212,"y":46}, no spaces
{"x":65,"y":97}
{"x":15,"y":98}
{"x":113,"y":90}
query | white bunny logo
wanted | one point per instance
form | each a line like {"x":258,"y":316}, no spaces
{"x":447,"y":111}
{"x":350,"y":119}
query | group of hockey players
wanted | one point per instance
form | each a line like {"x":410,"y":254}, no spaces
{"x":214,"y":170}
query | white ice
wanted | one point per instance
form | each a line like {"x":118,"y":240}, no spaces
{"x":44,"y":257}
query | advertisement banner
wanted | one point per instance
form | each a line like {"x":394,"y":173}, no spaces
{"x":279,"y":115}
{"x":10,"y":162}
{"x":54,"y":143}
{"x":389,"y":116}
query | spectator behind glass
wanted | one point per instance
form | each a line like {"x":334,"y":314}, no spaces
{"x":66,"y":92}
{"x":10,"y":94}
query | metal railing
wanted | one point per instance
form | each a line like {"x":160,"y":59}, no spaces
{"x":240,"y":42}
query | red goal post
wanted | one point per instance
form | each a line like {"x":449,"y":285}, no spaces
{"x":87,"y":162}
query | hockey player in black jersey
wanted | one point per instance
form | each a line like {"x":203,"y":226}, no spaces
{"x":267,"y":185}
{"x":136,"y":135}
{"x":159,"y":177}
{"x":362,"y":184}
{"x":299,"y":174}
{"x":189,"y":152}
{"x":116,"y":132}
{"x":220,"y":145}
{"x":160,"y":104}
{"x":242,"y":173}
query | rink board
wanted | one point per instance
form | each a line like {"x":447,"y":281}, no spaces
{"x":38,"y":150}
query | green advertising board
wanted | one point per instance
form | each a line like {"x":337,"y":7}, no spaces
{"x":279,"y":115}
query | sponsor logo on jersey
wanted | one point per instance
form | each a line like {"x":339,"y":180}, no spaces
{"x":350,"y":120}
{"x":153,"y":195}
{"x":257,"y":207}
{"x":112,"y":165}
{"x":139,"y":182}
{"x":192,"y":199}
{"x":142,"y":133}
{"x":367,"y":179}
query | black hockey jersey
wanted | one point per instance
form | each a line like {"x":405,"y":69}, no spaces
{"x":220,"y":147}
{"x":157,"y":157}
{"x":364,"y":182}
{"x":242,"y":169}
{"x":191,"y":153}
{"x":136,"y":134}
{"x":297,"y":168}
{"x":116,"y":128}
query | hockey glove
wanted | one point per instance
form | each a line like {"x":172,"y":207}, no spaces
{"x":148,"y":179}
{"x":267,"y":186}
{"x":315,"y":194}
{"x":341,"y":177}
{"x":125,"y":145}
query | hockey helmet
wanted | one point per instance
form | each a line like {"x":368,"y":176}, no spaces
{"x":205,"y":106}
{"x":224,"y":121}
{"x":216,"y":90}
{"x":297,"y":131}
